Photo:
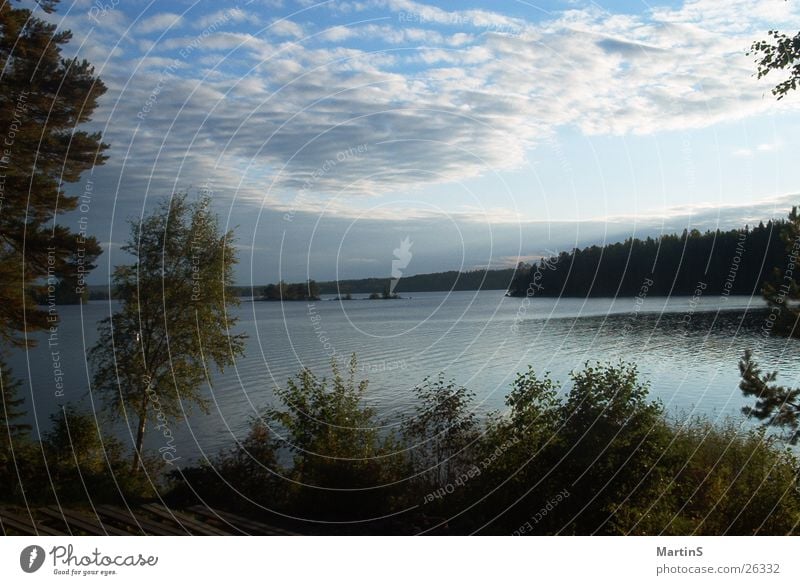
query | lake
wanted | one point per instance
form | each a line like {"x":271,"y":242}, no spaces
{"x":688,"y":348}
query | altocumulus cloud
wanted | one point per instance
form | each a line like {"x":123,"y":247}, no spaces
{"x":256,"y":98}
{"x":437,"y":95}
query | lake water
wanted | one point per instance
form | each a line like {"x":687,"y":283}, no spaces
{"x":687,"y":349}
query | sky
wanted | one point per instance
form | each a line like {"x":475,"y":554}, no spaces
{"x":485,"y":132}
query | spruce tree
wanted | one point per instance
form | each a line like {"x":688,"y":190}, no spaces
{"x":44,"y":100}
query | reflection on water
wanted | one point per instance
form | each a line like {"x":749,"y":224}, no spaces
{"x":687,"y":349}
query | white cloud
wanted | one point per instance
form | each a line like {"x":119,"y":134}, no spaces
{"x":159,"y":22}
{"x":764,"y":147}
{"x":286,"y":28}
{"x":443,"y":97}
{"x":228,"y":15}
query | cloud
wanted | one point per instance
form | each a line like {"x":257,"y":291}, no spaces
{"x":286,"y":28}
{"x":159,"y":22}
{"x":227,"y":15}
{"x":764,"y":147}
{"x":439,"y":97}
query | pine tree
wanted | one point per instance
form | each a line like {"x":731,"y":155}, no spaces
{"x":777,"y":406}
{"x":43,"y":101}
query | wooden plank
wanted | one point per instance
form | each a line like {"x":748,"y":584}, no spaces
{"x":58,"y":514}
{"x":87,"y":522}
{"x":52,"y":522}
{"x":240,"y":522}
{"x":210,"y":515}
{"x":186,"y":521}
{"x":25,"y":525}
{"x":142,"y":523}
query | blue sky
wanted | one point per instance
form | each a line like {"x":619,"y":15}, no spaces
{"x":484,"y":131}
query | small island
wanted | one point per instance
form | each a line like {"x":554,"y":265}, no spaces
{"x":297,"y":291}
{"x":387,"y":293}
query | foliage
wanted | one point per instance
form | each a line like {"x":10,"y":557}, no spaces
{"x":779,"y":53}
{"x":782,"y":289}
{"x":318,"y":455}
{"x":44,"y":100}
{"x":728,"y":480}
{"x":76,"y":462}
{"x":441,"y":436}
{"x":339,"y":459}
{"x":777,"y":406}
{"x":729,"y":263}
{"x":596,"y":458}
{"x":14,"y":435}
{"x":86,"y":464}
{"x":298,"y":291}
{"x":152,"y":355}
{"x":599,"y":444}
{"x":10,"y":409}
{"x":244,"y":478}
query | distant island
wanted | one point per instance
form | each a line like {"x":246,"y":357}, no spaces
{"x":733,"y":262}
{"x":310,"y":291}
{"x":479,"y":279}
{"x":298,"y":291}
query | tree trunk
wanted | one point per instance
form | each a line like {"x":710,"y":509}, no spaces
{"x":137,"y":453}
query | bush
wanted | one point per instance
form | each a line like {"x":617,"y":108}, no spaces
{"x":596,"y":458}
{"x":320,"y":456}
{"x":75,"y":463}
{"x":245,"y":478}
{"x":731,"y":481}
{"x":440,"y":438}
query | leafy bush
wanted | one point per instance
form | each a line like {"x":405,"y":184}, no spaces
{"x":596,"y":457}
{"x":77,"y":463}
{"x":440,"y":438}
{"x":730,"y":481}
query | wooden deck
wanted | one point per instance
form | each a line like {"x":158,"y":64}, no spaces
{"x":149,"y":519}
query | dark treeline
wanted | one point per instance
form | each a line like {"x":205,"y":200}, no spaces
{"x":731,"y":262}
{"x":438,"y":281}
{"x":735,"y":262}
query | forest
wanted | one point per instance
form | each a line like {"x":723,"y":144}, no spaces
{"x":734,"y":262}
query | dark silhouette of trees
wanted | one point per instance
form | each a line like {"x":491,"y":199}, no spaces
{"x":498,"y":279}
{"x":298,"y":291}
{"x":782,"y":287}
{"x":43,"y":103}
{"x":14,"y":435}
{"x":728,"y":263}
